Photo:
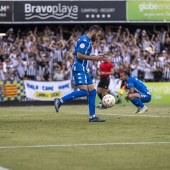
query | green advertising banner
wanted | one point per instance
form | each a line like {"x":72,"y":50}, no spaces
{"x":148,"y":10}
{"x":160,"y":92}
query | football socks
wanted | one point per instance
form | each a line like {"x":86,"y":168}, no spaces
{"x":74,"y":95}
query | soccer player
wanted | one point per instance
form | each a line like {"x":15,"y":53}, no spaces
{"x":106,"y":69}
{"x":137,"y":92}
{"x":82,"y":78}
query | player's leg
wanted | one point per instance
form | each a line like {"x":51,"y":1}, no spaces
{"x":75,"y":94}
{"x":135,"y":98}
{"x":91,"y":101}
{"x":145,"y":98}
{"x":99,"y":93}
{"x":104,"y":92}
{"x":104,"y":89}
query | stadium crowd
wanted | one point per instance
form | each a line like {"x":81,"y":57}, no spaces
{"x":46,"y":54}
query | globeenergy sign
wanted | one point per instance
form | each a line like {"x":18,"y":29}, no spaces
{"x":160,"y":92}
{"x":148,"y":11}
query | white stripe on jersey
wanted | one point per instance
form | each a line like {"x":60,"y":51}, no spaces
{"x":86,"y":54}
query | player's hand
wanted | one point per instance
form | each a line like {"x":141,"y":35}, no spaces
{"x":126,"y":96}
{"x":98,"y":58}
{"x":102,"y":73}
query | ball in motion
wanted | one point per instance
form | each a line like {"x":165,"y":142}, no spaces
{"x":108,"y":100}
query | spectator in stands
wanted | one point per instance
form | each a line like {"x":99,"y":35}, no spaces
{"x":31,"y":68}
{"x":159,"y":69}
{"x":13,"y":57}
{"x":166,"y":68}
{"x":16,"y":75}
{"x":58,"y":74}
{"x":46,"y":73}
{"x":20,"y":68}
{"x":2,"y":75}
{"x":65,"y":70}
{"x":156,"y":42}
{"x":146,"y":41}
{"x":141,"y":67}
{"x":93,"y":70}
{"x":148,"y":76}
{"x":25,"y":55}
{"x":57,"y":53}
{"x":167,"y":43}
{"x":48,"y":45}
{"x":9,"y":75}
{"x":78,"y":31}
{"x":161,"y":34}
{"x":133,"y":67}
{"x":109,"y":35}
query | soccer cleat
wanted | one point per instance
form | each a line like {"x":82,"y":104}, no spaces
{"x":102,"y":107}
{"x":137,"y":111}
{"x":96,"y":119}
{"x":143,"y":110}
{"x":57,"y":103}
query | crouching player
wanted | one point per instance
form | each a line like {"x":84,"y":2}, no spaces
{"x":137,"y":92}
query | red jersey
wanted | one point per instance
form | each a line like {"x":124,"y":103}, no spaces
{"x":106,"y":67}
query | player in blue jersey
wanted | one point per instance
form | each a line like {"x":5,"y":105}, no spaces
{"x":137,"y":92}
{"x":82,"y":78}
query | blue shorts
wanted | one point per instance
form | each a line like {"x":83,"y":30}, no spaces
{"x":145,"y":98}
{"x":82,"y":78}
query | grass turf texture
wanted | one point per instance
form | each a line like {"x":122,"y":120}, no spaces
{"x":35,"y":126}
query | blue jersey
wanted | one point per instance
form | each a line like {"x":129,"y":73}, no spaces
{"x":137,"y":85}
{"x":83,"y":46}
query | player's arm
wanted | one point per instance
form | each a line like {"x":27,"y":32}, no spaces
{"x":90,"y":57}
{"x":129,"y":91}
{"x":108,"y":73}
{"x":98,"y":72}
{"x":111,"y":71}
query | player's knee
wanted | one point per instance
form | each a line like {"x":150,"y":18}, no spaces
{"x":98,"y":91}
{"x":134,"y":95}
{"x":131,"y":96}
{"x":84,"y":92}
{"x":93,"y":92}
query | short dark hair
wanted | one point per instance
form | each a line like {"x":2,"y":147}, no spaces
{"x":95,"y":27}
{"x":127,"y":72}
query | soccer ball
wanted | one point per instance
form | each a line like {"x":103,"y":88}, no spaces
{"x":108,"y":100}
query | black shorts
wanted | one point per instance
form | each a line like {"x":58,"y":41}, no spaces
{"x":104,"y":83}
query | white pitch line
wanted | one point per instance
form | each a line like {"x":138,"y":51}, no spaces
{"x":138,"y":115}
{"x":108,"y":114}
{"x":86,"y":144}
{"x":2,"y":168}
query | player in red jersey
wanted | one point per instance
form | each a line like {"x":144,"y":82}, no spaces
{"x":105,"y":70}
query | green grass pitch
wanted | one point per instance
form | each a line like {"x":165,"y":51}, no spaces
{"x":37,"y":138}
